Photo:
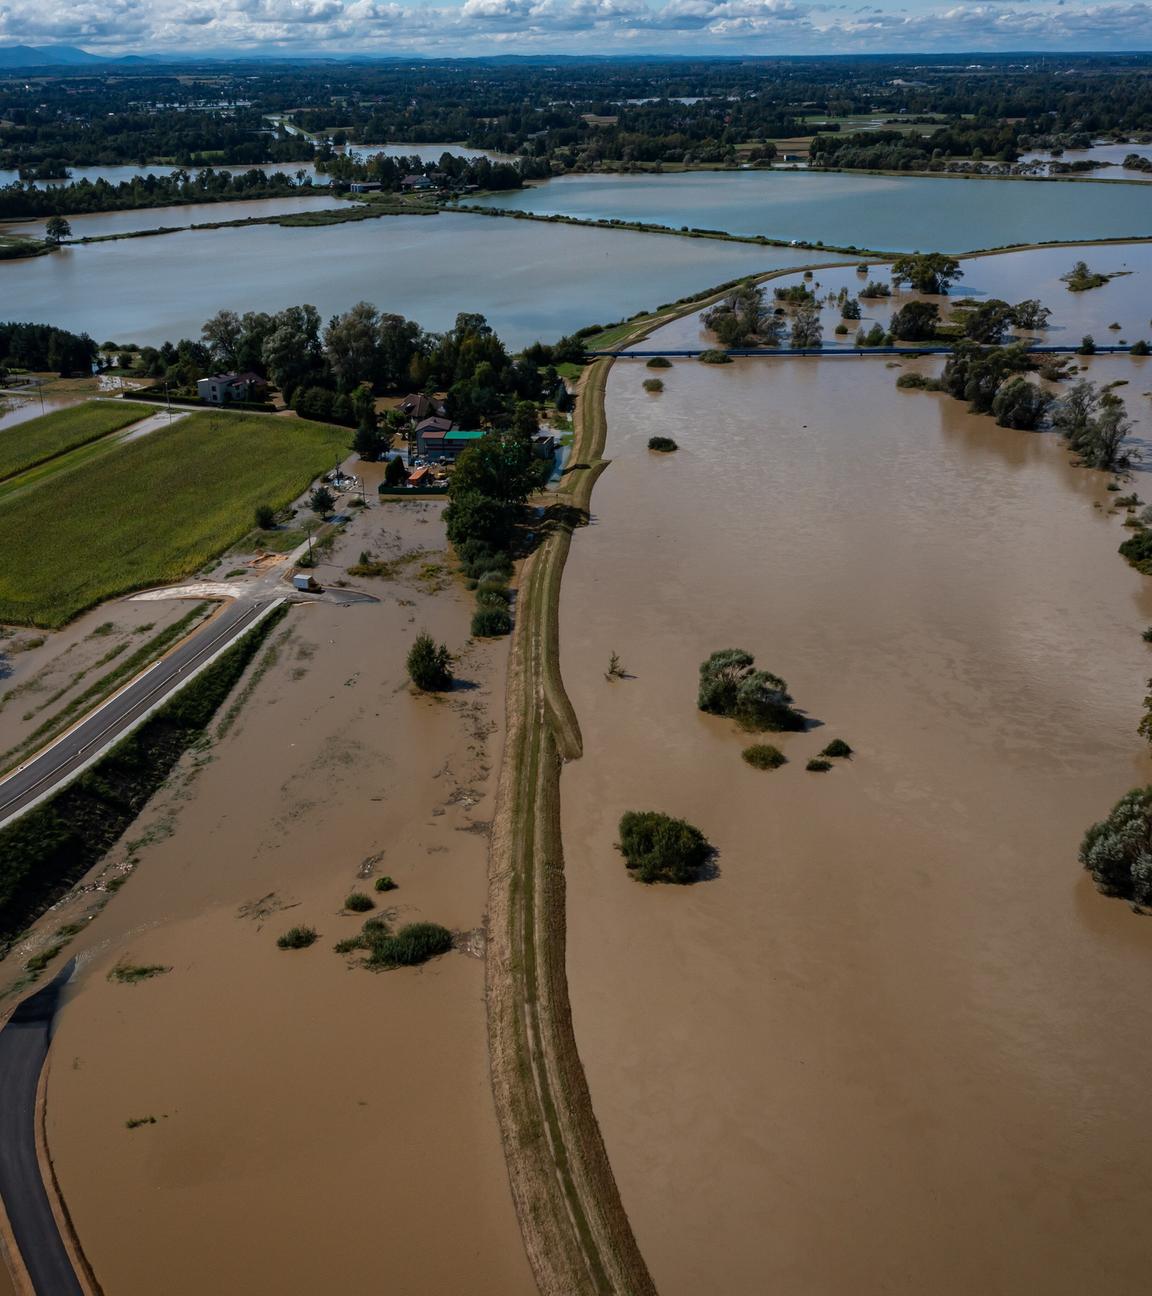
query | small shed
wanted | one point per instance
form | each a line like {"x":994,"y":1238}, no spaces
{"x":303,"y":581}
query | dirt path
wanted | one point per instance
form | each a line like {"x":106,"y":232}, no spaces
{"x":575,"y":1229}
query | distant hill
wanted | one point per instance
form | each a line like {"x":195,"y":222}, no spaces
{"x":30,"y":56}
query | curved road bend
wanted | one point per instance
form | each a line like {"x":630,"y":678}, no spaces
{"x":23,"y":1048}
{"x":44,"y":772}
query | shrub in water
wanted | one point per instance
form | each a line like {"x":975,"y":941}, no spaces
{"x":658,"y":848}
{"x":384,"y":884}
{"x":297,"y":938}
{"x":1140,"y":348}
{"x":416,"y":943}
{"x":837,"y":747}
{"x":762,"y":756}
{"x":359,"y":902}
{"x":818,"y":765}
{"x":653,"y":384}
{"x":487,"y":622}
{"x":659,"y":362}
{"x":715,"y":357}
{"x":429,"y":664}
{"x":665,"y":445}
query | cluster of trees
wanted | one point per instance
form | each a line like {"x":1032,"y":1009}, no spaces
{"x":41,"y":348}
{"x":742,"y":319}
{"x":580,"y":114}
{"x":19,"y":201}
{"x":730,"y":685}
{"x":320,"y":367}
{"x":457,"y":172}
{"x":1093,"y":420}
{"x":987,"y":322}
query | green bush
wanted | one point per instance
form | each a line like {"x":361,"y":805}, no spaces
{"x":918,"y":382}
{"x":662,"y":444}
{"x":714,"y":357}
{"x":837,"y":748}
{"x":1137,"y":550}
{"x":429,"y":664}
{"x":1140,"y":348}
{"x":659,"y":362}
{"x":1116,"y":851}
{"x":297,"y":938}
{"x":658,"y":848}
{"x":731,"y":686}
{"x":818,"y":765}
{"x":265,"y":517}
{"x":492,"y":598}
{"x":413,"y":944}
{"x":762,"y":756}
{"x":653,"y":385}
{"x":384,"y":884}
{"x":358,"y":902}
{"x":488,"y":622}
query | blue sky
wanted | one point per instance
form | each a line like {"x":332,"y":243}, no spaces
{"x":444,"y":27}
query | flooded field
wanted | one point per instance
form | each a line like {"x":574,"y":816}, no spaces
{"x":317,"y":1127}
{"x":530,"y":279}
{"x":886,"y":213}
{"x":899,"y":1044}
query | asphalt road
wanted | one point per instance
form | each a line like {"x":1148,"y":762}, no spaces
{"x":23,"y":1048}
{"x":45,"y":771}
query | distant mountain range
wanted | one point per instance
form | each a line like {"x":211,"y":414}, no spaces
{"x":44,"y":56}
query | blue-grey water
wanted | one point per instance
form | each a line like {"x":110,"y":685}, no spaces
{"x":532,"y":280}
{"x":883,"y":213}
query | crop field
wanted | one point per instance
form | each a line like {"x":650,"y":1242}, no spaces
{"x":27,"y":444}
{"x":151,"y":511}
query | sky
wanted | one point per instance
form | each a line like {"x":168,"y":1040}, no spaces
{"x":484,"y":27}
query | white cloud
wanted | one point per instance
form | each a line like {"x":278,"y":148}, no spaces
{"x":572,"y":26}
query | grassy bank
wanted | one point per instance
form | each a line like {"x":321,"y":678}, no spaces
{"x":35,"y":442}
{"x":15,"y":246}
{"x":646,"y":227}
{"x":152,"y":511}
{"x":50,"y":848}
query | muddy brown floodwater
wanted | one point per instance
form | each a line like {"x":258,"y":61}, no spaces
{"x":318,"y":1127}
{"x":899,"y":1045}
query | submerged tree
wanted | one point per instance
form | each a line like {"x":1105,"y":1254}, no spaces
{"x":1118,"y":850}
{"x":929,"y":272}
{"x":1020,"y":404}
{"x":741,"y":319}
{"x":807,"y":330}
{"x":730,"y":685}
{"x":429,"y":664}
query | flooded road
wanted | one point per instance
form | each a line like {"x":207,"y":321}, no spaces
{"x":899,"y":1045}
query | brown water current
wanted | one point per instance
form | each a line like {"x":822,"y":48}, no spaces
{"x":899,"y":1044}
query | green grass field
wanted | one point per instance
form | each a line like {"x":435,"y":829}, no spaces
{"x":27,"y":444}
{"x":152,"y":511}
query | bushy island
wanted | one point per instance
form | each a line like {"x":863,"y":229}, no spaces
{"x":658,"y":848}
{"x":1118,"y":850}
{"x":730,"y":685}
